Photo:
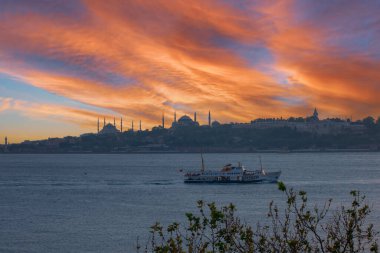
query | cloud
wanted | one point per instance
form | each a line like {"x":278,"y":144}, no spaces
{"x":141,"y":58}
{"x":5,"y":103}
{"x":327,"y":57}
{"x":51,"y":111}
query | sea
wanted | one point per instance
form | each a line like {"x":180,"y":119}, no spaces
{"x":104,"y":202}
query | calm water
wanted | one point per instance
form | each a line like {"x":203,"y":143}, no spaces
{"x":101,"y":203}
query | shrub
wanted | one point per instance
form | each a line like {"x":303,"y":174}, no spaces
{"x":299,"y":228}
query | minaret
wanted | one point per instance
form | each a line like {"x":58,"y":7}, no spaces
{"x":104,"y":122}
{"x":6,"y":144}
{"x":163,"y":120}
{"x":175,"y":117}
{"x":195,"y":116}
{"x":209,"y":118}
{"x":132,"y":125}
{"x":98,"y":124}
{"x":140,"y":125}
{"x":315,"y":114}
{"x":114,"y":122}
{"x":121,"y":124}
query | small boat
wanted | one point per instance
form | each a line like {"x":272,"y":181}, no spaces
{"x":231,"y":174}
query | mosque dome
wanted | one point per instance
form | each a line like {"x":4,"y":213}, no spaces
{"x":109,"y":129}
{"x":185,"y":119}
{"x":215,"y":123}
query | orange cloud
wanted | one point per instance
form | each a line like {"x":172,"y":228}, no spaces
{"x":334,"y":77}
{"x":169,"y":67}
{"x":51,"y":111}
{"x":139,"y":59}
{"x":5,"y":103}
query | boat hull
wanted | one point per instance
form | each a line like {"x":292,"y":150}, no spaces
{"x":253,"y":178}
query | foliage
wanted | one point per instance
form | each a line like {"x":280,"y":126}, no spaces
{"x":369,"y":121}
{"x":299,"y":229}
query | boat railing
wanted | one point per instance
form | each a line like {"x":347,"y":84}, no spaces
{"x":215,"y":169}
{"x":251,"y":172}
{"x":207,"y":169}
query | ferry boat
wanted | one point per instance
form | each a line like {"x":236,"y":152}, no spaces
{"x":231,"y":174}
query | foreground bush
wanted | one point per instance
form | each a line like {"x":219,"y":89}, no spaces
{"x":299,"y":228}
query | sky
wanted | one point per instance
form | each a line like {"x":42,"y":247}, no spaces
{"x":65,"y":63}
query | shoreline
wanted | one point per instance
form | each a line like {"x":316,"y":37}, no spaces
{"x":205,"y":152}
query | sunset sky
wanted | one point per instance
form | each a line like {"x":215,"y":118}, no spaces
{"x":65,"y":63}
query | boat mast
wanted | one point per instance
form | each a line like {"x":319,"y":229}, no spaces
{"x":261,"y":164}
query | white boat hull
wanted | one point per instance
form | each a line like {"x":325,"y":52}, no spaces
{"x":232,"y":177}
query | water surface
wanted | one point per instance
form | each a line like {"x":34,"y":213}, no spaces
{"x":101,"y":203}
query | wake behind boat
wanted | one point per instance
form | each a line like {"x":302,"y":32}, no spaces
{"x":231,"y":174}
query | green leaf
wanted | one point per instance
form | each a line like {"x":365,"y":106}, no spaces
{"x":281,"y":186}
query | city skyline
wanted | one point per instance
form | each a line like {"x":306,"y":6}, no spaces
{"x":311,"y":122}
{"x":65,"y":63}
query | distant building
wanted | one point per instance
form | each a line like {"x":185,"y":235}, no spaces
{"x":215,"y":123}
{"x":109,"y":129}
{"x":6,"y":144}
{"x":87,"y":134}
{"x":315,"y":115}
{"x":185,"y":121}
{"x":309,"y":124}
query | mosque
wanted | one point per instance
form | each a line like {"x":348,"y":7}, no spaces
{"x":311,"y":123}
{"x":184,"y":121}
{"x":109,"y":128}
